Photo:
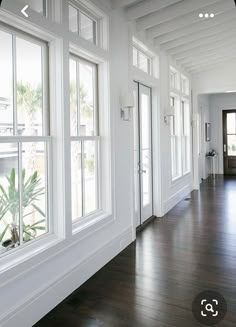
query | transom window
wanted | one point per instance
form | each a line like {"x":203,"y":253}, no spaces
{"x":85,"y":138}
{"x":40,"y":6}
{"x":142,"y":61}
{"x":82,"y":24}
{"x":24,"y":139}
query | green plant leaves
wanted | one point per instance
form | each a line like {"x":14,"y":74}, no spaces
{"x":9,"y":202}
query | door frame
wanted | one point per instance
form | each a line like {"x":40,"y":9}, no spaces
{"x":139,"y":189}
{"x":224,"y":131}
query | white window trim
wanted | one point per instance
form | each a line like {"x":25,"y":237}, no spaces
{"x":57,"y":230}
{"x":178,"y":94}
{"x":105,"y":161}
{"x":101,"y":19}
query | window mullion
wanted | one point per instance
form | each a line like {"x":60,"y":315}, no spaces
{"x":82,"y":178}
{"x":20,"y":192}
{"x":14,"y":85}
{"x":78,"y":96}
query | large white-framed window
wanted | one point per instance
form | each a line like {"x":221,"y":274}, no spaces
{"x":85,"y":139}
{"x":186,"y":137}
{"x":180,"y":127}
{"x":25,"y":143}
{"x":83,"y":22}
{"x":175,"y":133}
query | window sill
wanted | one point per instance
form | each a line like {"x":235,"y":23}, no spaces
{"x":94,"y":220}
{"x":13,"y":258}
{"x":179,"y":179}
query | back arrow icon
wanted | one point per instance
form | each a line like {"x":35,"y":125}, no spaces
{"x":24,"y":11}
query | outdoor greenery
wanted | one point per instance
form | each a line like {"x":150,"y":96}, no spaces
{"x":9,"y":205}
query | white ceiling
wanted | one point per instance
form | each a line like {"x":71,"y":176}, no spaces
{"x":174,"y":25}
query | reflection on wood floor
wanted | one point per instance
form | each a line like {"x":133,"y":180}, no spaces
{"x":153,"y":282}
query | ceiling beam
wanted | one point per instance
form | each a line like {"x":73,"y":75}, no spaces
{"x":147,"y":7}
{"x":122,"y":3}
{"x":223,"y":11}
{"x":169,"y":13}
{"x":201,"y":68}
{"x":213,"y":31}
{"x":207,"y":57}
{"x":198,"y":51}
{"x":202,"y":42}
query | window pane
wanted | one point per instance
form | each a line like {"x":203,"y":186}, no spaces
{"x":231,"y":123}
{"x":76,"y":180}
{"x":87,"y":93}
{"x":36,"y":5}
{"x":231,"y":139}
{"x":73,"y":19}
{"x":6,"y":85}
{"x":90,"y":177}
{"x":145,"y":117}
{"x":29,"y":88}
{"x":34,"y":194}
{"x":146,"y":160}
{"x":143,"y":62}
{"x":135,"y":57}
{"x":73,"y":99}
{"x":87,"y":28}
{"x":9,"y":200}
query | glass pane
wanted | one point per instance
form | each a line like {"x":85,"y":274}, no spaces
{"x":9,"y":200}
{"x":186,"y":118}
{"x":76,"y":180}
{"x":146,"y":159}
{"x":73,"y":19}
{"x":231,"y":141}
{"x":231,"y":123}
{"x":6,"y":85}
{"x":34,"y":194}
{"x":36,"y":5}
{"x":135,"y":57}
{"x":87,"y":93}
{"x":87,"y":28}
{"x":90,"y":177}
{"x":143,"y":62}
{"x":73,"y":99}
{"x":29,"y":88}
{"x":145,"y":118}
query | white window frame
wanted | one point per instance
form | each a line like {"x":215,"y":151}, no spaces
{"x":96,"y":138}
{"x":145,"y":53}
{"x":178,"y":154}
{"x":186,"y":138}
{"x":91,"y":14}
{"x":45,"y":138}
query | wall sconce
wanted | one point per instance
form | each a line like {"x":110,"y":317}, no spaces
{"x":127,"y":103}
{"x":169,"y":112}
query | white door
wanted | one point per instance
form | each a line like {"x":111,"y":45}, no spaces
{"x":143,"y":153}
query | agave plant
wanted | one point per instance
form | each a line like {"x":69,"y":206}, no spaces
{"x":9,"y":203}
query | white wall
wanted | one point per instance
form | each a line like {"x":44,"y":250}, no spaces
{"x":218,"y":103}
{"x":218,"y":80}
{"x":173,"y":192}
{"x":32,"y":287}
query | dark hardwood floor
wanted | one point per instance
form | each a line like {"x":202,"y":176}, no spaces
{"x":153,"y":282}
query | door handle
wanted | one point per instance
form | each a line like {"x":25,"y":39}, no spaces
{"x":225,"y":148}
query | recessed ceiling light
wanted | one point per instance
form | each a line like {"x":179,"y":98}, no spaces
{"x":206,"y":15}
{"x":201,"y":15}
{"x":212,"y":15}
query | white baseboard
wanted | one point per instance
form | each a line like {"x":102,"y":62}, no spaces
{"x":176,"y":198}
{"x":50,"y":295}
